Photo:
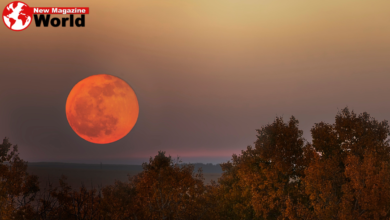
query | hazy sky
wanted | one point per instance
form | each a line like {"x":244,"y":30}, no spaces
{"x":207,"y":73}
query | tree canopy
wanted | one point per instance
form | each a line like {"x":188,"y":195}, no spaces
{"x":343,"y":173}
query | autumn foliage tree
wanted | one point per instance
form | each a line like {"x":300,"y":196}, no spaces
{"x":120,"y":201}
{"x":164,"y":189}
{"x":349,"y":178}
{"x":232,"y":194}
{"x":17,"y":187}
{"x":343,"y":174}
{"x":65,"y":203}
{"x":274,"y":169}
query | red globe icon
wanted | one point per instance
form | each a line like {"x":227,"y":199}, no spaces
{"x":17,"y":16}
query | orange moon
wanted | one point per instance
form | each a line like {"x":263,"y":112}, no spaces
{"x":102,"y":108}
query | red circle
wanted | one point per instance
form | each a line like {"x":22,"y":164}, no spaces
{"x":25,"y":9}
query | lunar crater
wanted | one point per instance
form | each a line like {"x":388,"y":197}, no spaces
{"x":92,"y":121}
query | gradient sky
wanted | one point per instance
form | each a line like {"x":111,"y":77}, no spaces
{"x":207,"y":73}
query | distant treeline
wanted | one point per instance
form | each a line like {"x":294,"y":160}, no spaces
{"x":206,"y":168}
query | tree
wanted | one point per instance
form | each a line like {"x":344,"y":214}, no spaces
{"x":120,"y":201}
{"x":169,"y":190}
{"x":275,"y":168}
{"x":349,"y":176}
{"x":64,"y":203}
{"x":163,"y":190}
{"x":17,"y":187}
{"x":232,"y":195}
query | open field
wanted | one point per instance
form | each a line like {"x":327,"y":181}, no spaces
{"x":93,"y":175}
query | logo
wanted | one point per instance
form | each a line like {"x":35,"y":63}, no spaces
{"x":17,"y":16}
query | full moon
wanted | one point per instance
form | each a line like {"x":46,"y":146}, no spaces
{"x":102,"y":108}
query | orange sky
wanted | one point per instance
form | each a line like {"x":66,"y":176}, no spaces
{"x":207,"y":73}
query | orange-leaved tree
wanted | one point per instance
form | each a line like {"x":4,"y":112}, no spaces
{"x":164,"y":189}
{"x":233,"y":195}
{"x":349,"y":178}
{"x":120,"y":201}
{"x":17,"y":187}
{"x":274,"y":169}
{"x":168,"y":190}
